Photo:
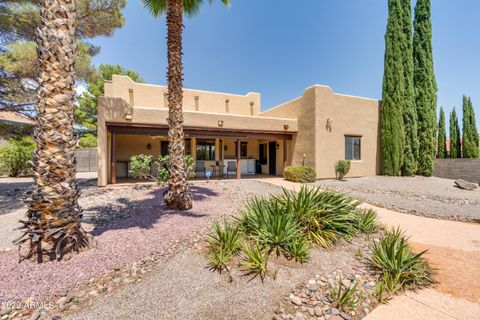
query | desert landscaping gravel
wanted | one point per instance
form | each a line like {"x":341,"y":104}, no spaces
{"x":150,"y":227}
{"x":426,"y":196}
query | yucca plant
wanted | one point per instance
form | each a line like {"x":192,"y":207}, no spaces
{"x":367,"y":221}
{"x":267,"y":223}
{"x":299,"y":249}
{"x":224,"y":243}
{"x":325,"y":216}
{"x":344,"y":298}
{"x":255,"y":261}
{"x":393,"y":255}
{"x":386,"y":286}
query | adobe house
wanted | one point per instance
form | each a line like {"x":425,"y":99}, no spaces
{"x":316,"y":129}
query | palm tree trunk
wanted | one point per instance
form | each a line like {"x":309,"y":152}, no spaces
{"x":53,"y":229}
{"x":178,"y":195}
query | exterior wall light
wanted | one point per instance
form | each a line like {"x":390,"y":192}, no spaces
{"x":149,"y":146}
{"x":285,"y":127}
{"x":277,"y":146}
{"x":220,"y":123}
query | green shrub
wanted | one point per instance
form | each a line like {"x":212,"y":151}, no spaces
{"x":163,"y":174}
{"x":325,"y":216}
{"x":341,"y":169}
{"x":300,"y":174}
{"x":16,"y":157}
{"x":224,"y":243}
{"x":344,"y":298}
{"x":140,"y":166}
{"x":367,"y":221}
{"x":398,"y":265}
{"x":88,"y":141}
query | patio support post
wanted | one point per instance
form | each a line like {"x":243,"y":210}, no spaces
{"x":239,"y":175}
{"x":284,"y":153}
{"x":113,"y":160}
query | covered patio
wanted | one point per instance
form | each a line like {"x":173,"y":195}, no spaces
{"x":225,"y":153}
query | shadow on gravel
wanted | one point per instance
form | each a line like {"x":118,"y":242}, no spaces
{"x":145,"y":213}
{"x":14,"y":194}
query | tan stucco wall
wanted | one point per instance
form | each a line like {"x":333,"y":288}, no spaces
{"x":306,"y":117}
{"x":322,"y":148}
{"x":153,"y":96}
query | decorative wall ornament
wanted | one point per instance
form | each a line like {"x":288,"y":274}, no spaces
{"x":329,"y":125}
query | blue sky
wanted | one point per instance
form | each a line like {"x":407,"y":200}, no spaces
{"x":279,"y":48}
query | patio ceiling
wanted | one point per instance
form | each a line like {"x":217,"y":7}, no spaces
{"x":198,"y":132}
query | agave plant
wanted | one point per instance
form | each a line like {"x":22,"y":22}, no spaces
{"x":224,"y":244}
{"x":325,"y":216}
{"x":392,"y":255}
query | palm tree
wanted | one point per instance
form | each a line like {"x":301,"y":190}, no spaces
{"x":178,"y":195}
{"x":53,"y":229}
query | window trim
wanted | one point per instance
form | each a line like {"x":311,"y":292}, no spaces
{"x":354,"y":136}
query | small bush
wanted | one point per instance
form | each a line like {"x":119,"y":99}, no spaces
{"x":88,"y":141}
{"x":341,"y":169}
{"x":163,"y":174}
{"x":140,"y":166}
{"x":399,"y":266}
{"x":300,"y":174}
{"x":367,"y":221}
{"x":344,"y":298}
{"x":16,"y":157}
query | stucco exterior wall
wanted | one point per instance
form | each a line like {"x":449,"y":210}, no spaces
{"x":349,"y":116}
{"x":153,"y":96}
{"x":314,"y":144}
{"x":317,"y":146}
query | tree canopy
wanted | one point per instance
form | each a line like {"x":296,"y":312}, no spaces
{"x":455,"y":143}
{"x":425,"y":87}
{"x":392,"y":126}
{"x":470,"y":132}
{"x":18,"y":22}
{"x":85,"y":112}
{"x":442,"y":136}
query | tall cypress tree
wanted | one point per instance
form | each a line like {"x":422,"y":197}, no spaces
{"x":409,"y":113}
{"x":442,"y":136}
{"x":470,"y":132}
{"x":455,"y":145}
{"x":392,"y":133}
{"x":425,"y":87}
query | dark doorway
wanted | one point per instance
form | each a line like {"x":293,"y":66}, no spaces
{"x":164,"y":148}
{"x":272,"y":158}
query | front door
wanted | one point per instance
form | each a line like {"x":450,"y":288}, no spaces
{"x":272,"y":158}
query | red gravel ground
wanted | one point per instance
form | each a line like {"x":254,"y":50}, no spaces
{"x":149,"y":230}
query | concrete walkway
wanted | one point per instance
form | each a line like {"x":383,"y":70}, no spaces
{"x":453,"y":248}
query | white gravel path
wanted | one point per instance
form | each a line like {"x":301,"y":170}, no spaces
{"x":426,"y":196}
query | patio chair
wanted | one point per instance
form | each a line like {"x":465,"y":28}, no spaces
{"x":232,"y":167}
{"x":200,"y":167}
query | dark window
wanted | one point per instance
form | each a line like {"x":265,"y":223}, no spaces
{"x":164,"y":148}
{"x":263,"y":153}
{"x":205,"y":150}
{"x":352,"y":148}
{"x":188,"y":146}
{"x":243,"y":149}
